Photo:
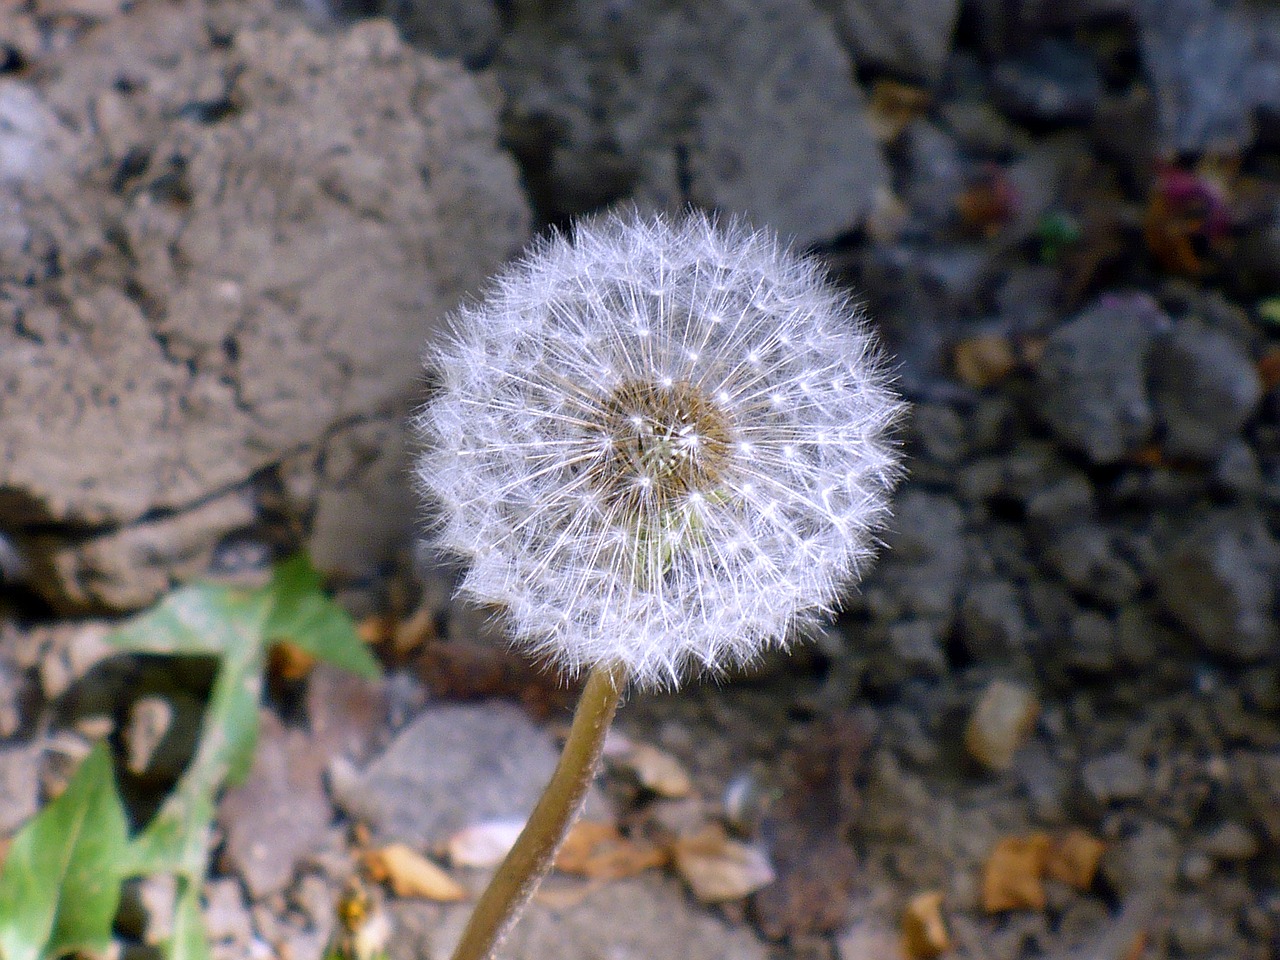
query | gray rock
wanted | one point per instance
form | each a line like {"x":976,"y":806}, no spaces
{"x":909,"y":38}
{"x":1114,"y":777}
{"x":939,"y":430}
{"x":748,"y":107}
{"x":146,"y":907}
{"x":226,"y":915}
{"x":981,"y":128}
{"x":1199,"y":928}
{"x":934,"y":173}
{"x":448,"y":28}
{"x":921,"y":573}
{"x":993,"y":622}
{"x":453,"y":766}
{"x":1142,"y":637}
{"x":280,"y":813}
{"x":1204,"y":386}
{"x":645,"y":918}
{"x":1065,"y":503}
{"x":18,"y":696}
{"x":1085,"y":557}
{"x":916,"y":646}
{"x":1219,"y":582}
{"x":1208,"y":67}
{"x":1044,"y":781}
{"x":1230,"y":841}
{"x":256,"y":236}
{"x":1237,"y":471}
{"x":1091,"y":381}
{"x":1053,"y":82}
{"x":1092,"y":646}
{"x":19,"y":785}
{"x":1144,"y":859}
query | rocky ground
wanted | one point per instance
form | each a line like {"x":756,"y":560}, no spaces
{"x":1048,"y":723}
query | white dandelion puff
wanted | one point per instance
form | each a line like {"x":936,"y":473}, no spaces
{"x":662,"y":444}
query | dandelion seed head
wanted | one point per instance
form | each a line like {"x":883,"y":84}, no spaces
{"x":661,"y":442}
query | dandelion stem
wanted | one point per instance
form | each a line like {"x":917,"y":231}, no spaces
{"x":529,"y":860}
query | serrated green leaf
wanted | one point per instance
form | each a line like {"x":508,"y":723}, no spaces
{"x":60,"y":885}
{"x":302,"y":613}
{"x":236,"y":626}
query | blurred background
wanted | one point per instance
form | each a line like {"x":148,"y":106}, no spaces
{"x":1047,"y":724}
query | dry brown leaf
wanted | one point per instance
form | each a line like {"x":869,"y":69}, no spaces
{"x":657,"y":770}
{"x":289,"y":662}
{"x":893,"y":106}
{"x":377,"y":629}
{"x":924,"y":931}
{"x":410,"y":874}
{"x":1269,"y":369}
{"x":984,"y":360}
{"x":411,"y":635}
{"x":560,"y":898}
{"x":596,"y":850}
{"x":718,"y":869}
{"x":483,"y":844}
{"x":1073,"y":859}
{"x":1013,"y":876}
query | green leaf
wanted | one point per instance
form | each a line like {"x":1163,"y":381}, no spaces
{"x":200,"y":619}
{"x":237,"y":626}
{"x":1269,"y":310}
{"x":61,"y":884}
{"x":189,"y":941}
{"x":304,"y":615}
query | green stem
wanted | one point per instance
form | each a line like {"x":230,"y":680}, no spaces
{"x":529,"y":860}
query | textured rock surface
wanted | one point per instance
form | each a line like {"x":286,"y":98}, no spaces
{"x":627,"y":920}
{"x":770,"y":124}
{"x":1219,"y":582}
{"x":1204,"y":386}
{"x":1211,"y":65}
{"x":452,"y":767}
{"x":1092,"y":377}
{"x":911,"y":38}
{"x":230,"y":237}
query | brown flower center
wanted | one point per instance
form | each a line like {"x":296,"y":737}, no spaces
{"x":663,"y":443}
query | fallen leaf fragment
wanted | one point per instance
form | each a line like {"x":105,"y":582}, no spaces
{"x":377,"y":629}
{"x":984,"y":360}
{"x":289,"y":662}
{"x":989,"y":203}
{"x":596,"y":850}
{"x":924,"y":931}
{"x":565,"y":898}
{"x":893,"y":106}
{"x":1269,"y":366}
{"x":718,"y":869}
{"x":483,"y":844}
{"x":410,"y":874}
{"x":1073,"y":859}
{"x":1013,"y":876}
{"x":657,"y":770}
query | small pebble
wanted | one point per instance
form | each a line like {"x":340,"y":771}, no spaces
{"x":924,"y":931}
{"x":1000,"y":724}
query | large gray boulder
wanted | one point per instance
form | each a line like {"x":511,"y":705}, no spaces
{"x":226,"y":239}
